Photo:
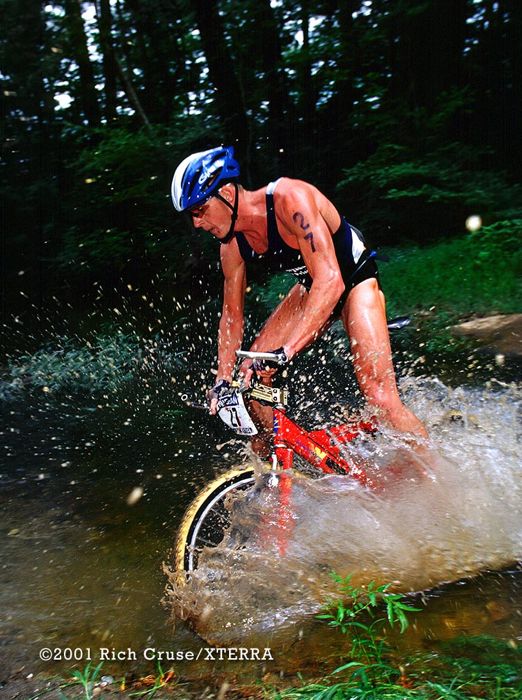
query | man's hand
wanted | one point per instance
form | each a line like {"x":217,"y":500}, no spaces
{"x":214,"y":394}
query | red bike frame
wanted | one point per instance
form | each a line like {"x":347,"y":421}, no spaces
{"x":320,"y":448}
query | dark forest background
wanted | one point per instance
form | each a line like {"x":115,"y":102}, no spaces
{"x":406,"y":113}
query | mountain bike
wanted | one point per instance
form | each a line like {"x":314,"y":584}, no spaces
{"x":313,"y":453}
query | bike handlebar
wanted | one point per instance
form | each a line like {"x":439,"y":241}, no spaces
{"x":272,"y":356}
{"x":277,"y":358}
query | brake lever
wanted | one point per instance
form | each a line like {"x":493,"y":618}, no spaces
{"x":277,"y":358}
{"x":240,"y":387}
{"x":193,"y":404}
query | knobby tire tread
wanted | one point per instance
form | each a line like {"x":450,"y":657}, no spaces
{"x":196,"y":506}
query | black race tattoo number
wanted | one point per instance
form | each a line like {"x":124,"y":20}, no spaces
{"x":299,"y":219}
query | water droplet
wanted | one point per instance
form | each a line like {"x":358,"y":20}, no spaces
{"x":134,"y":496}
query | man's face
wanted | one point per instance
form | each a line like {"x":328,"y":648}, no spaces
{"x":212,"y":216}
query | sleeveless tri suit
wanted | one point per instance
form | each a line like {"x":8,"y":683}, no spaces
{"x":355,"y":260}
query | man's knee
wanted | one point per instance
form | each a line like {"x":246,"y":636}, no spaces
{"x":366,"y":292}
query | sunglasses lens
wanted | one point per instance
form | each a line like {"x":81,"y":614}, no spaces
{"x":199,"y":209}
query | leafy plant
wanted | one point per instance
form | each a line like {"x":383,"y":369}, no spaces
{"x":355,"y":613}
{"x":364,"y":615}
{"x":106,"y":363}
{"x":87,"y":678}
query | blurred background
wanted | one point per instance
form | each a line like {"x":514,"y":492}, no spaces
{"x":406,"y":113}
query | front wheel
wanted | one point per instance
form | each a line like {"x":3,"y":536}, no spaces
{"x":207,"y":518}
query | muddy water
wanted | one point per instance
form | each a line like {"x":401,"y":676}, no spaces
{"x":91,"y":497}
{"x":462,"y":517}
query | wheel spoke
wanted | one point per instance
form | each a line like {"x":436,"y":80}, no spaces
{"x":206,"y":522}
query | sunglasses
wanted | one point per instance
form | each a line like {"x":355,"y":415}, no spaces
{"x":198,"y":211}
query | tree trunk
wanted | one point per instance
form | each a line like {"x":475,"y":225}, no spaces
{"x":336,"y":118}
{"x":157,"y":34}
{"x":275,"y":79}
{"x":88,"y":94}
{"x":229,"y":100}
{"x":131,"y":93}
{"x":307,"y":100}
{"x":103,"y":11}
{"x":428,"y":47}
{"x":121,"y":72}
{"x":513,"y":122}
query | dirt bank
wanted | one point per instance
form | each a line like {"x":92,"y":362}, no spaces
{"x":500,"y":334}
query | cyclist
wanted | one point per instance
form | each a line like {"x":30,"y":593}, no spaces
{"x":290,"y":225}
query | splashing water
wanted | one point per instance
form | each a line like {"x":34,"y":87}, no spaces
{"x":463,"y":518}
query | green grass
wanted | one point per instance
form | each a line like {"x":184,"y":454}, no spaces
{"x":464,"y":669}
{"x":474,"y":274}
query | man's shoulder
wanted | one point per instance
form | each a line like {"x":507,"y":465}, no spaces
{"x":291,"y":192}
{"x":289,"y":185}
{"x":289,"y":188}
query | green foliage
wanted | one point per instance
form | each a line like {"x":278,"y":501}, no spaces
{"x":476,"y":273}
{"x":122,"y":164}
{"x":474,"y":668}
{"x":500,"y":238}
{"x":323,"y":90}
{"x":357,"y":601}
{"x":120,"y":177}
{"x":355,"y":613}
{"x":87,"y":679}
{"x":425,"y":195}
{"x":68,"y":365}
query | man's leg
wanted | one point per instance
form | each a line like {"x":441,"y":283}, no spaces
{"x":364,"y":318}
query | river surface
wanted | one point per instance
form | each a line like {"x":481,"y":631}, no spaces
{"x":93,"y":486}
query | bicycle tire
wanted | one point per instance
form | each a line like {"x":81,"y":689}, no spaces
{"x":207,"y":518}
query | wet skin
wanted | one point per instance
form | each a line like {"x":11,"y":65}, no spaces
{"x":306,"y":221}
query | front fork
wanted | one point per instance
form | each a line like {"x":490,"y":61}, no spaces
{"x":282,"y":461}
{"x":282,"y":458}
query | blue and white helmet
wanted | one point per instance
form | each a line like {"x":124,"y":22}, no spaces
{"x":201,"y":174}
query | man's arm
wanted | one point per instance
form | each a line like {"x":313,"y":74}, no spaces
{"x":299,"y":213}
{"x":231,"y":324}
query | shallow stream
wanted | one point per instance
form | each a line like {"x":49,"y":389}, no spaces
{"x":92,"y":490}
